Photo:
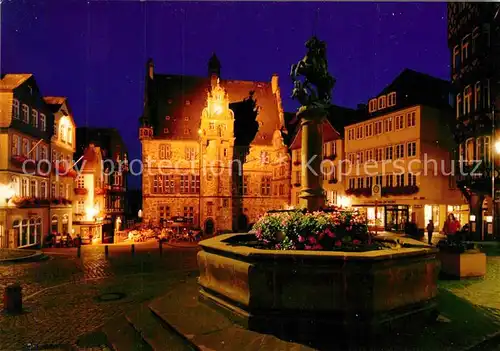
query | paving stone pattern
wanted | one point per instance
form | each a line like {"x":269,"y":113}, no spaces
{"x":61,"y":294}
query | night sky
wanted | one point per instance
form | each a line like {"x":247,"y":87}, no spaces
{"x":94,"y":52}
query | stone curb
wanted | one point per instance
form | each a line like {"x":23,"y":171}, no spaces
{"x":485,"y":344}
{"x":37,"y":256}
{"x":183,"y":246}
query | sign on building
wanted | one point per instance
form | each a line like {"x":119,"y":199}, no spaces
{"x":376,"y":191}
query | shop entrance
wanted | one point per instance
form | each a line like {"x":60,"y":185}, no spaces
{"x":396,"y":217}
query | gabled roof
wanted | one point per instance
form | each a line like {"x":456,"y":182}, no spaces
{"x":329,"y":134}
{"x":179,"y":100}
{"x":10,"y":82}
{"x":416,"y":88}
{"x":54,"y":102}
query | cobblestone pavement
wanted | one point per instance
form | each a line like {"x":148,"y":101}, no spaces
{"x":66,"y":297}
{"x":61,"y":295}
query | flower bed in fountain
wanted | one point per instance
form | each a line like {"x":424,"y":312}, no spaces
{"x":300,"y":271}
{"x":334,"y":229}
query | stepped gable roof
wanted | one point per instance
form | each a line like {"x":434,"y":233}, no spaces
{"x":180,"y":100}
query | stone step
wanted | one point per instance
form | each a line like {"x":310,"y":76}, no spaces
{"x":155,"y":332}
{"x":207,"y":328}
{"x":121,"y":336}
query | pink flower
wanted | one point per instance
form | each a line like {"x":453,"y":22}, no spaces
{"x":301,"y":239}
{"x":338,"y":243}
{"x":312,"y":239}
{"x":356,"y":242}
{"x":329,"y":233}
{"x":317,"y":247}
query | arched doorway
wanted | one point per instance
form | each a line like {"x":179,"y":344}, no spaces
{"x":209,"y":226}
{"x":242,"y":223}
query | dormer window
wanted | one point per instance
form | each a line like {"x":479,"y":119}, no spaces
{"x":372,"y":105}
{"x":165,"y":130}
{"x":186,"y":118}
{"x":169,"y":101}
{"x":167,"y":118}
{"x":391,"y":99}
{"x":382,"y":102}
{"x":188,"y":102}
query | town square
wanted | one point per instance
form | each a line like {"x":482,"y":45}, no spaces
{"x":249,"y":175}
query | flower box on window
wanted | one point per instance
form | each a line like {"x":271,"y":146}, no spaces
{"x":400,"y":190}
{"x":296,"y":185}
{"x":333,"y":181}
{"x":81,"y":191}
{"x":296,"y":163}
{"x":359,"y":192}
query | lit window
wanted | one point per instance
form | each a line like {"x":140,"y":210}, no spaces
{"x":467,"y":98}
{"x":388,"y":153}
{"x":382,"y":102}
{"x":43,"y":122}
{"x":412,"y":149}
{"x":15,"y":109}
{"x":26,"y":114}
{"x":34,"y":118}
{"x":388,"y":125}
{"x":477,"y":96}
{"x":465,"y":48}
{"x":372,"y":105}
{"x":391,"y":99}
{"x":459,"y":105}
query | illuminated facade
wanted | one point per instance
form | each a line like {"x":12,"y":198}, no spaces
{"x":25,"y":137}
{"x":89,"y":204}
{"x":62,"y":147}
{"x":405,"y":149}
{"x":214,"y":156}
{"x":331,"y":166}
{"x":114,"y":155}
{"x":473,"y":32}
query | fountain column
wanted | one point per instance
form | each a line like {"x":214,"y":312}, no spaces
{"x":312,"y":195}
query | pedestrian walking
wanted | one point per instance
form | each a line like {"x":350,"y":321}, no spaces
{"x":430,"y":230}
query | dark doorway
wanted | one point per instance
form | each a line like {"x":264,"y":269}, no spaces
{"x":209,"y":226}
{"x":242,"y":223}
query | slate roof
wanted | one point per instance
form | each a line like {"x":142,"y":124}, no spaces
{"x":177,"y":103}
{"x":416,"y":88}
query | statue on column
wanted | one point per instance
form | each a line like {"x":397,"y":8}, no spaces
{"x":312,"y":83}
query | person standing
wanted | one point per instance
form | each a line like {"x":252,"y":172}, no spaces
{"x":430,"y":230}
{"x":451,"y":227}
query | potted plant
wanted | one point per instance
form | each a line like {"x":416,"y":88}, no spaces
{"x":460,"y":259}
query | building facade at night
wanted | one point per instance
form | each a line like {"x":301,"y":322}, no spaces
{"x":473,"y":39}
{"x":333,"y":153}
{"x":62,"y":146}
{"x":112,"y":184}
{"x":404,"y":147}
{"x":213,"y":149}
{"x":26,"y":127}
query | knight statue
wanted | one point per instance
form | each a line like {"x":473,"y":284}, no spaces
{"x":312,"y":83}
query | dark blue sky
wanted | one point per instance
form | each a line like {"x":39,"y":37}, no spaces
{"x":95,"y":52}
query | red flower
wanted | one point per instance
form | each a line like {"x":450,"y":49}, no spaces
{"x":338,"y":243}
{"x":356,"y":242}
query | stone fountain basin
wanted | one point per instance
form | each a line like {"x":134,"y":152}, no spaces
{"x":265,"y":289}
